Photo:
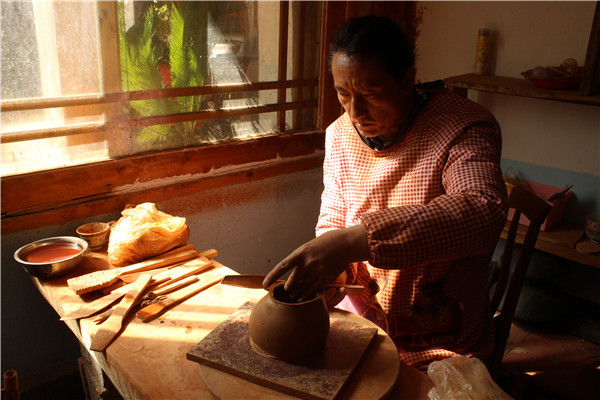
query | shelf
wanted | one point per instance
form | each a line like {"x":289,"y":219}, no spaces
{"x":560,"y":241}
{"x":515,"y":87}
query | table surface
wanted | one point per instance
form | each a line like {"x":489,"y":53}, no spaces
{"x":147,"y":360}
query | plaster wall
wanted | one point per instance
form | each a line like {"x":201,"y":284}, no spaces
{"x":550,"y":142}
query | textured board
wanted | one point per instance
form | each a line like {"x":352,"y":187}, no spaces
{"x":228,"y":348}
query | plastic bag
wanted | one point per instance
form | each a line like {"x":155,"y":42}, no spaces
{"x":462,"y":378}
{"x":143,"y":232}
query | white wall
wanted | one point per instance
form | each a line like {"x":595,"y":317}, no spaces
{"x":551,"y":142}
{"x":528,"y":33}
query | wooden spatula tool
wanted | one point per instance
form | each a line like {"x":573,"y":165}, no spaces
{"x":207,"y":280}
{"x":191,"y":267}
{"x":202,"y":256}
{"x":99,"y":279}
{"x":172,"y":286}
{"x":112,"y":326}
{"x":254,"y":281}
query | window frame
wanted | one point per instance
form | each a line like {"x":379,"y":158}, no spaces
{"x":37,"y":199}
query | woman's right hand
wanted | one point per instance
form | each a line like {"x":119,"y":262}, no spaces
{"x":320,"y":261}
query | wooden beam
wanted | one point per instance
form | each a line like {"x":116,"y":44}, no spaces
{"x":38,"y":199}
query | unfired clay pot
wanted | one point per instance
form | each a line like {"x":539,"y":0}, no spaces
{"x":288,"y":331}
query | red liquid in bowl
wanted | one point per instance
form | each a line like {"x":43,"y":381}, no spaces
{"x":51,"y":252}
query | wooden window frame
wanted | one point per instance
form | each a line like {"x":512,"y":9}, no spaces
{"x":33,"y":200}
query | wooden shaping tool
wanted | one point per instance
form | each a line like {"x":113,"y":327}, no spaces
{"x":190,"y":268}
{"x":255,"y":282}
{"x":172,"y":286}
{"x":166,"y":277}
{"x":112,"y":326}
{"x":98,"y":305}
{"x":203,"y":255}
{"x":152,"y":310}
{"x":99,"y":279}
{"x":210,"y":253}
{"x":150,"y":296}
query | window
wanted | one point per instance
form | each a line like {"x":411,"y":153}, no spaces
{"x":91,"y":81}
{"x":92,"y":137}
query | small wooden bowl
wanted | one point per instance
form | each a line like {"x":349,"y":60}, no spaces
{"x":95,"y":233}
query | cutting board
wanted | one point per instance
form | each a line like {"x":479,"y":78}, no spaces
{"x":228,"y":349}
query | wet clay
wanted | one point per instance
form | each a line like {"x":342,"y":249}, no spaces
{"x":295,"y":332}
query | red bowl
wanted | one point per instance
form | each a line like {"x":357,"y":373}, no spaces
{"x":555,"y":82}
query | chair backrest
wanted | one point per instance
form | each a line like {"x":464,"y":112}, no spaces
{"x":508,"y":286}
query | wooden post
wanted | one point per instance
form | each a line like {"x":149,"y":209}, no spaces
{"x":282,"y":63}
{"x":590,"y":81}
{"x":10,"y":391}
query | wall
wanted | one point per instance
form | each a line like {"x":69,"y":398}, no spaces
{"x":549,"y":142}
{"x":545,"y":141}
{"x":253,"y":226}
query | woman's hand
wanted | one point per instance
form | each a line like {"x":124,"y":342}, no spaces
{"x":320,"y":261}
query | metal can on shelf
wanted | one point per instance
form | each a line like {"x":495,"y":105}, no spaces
{"x":482,"y":54}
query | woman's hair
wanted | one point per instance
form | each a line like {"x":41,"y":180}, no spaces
{"x":379,"y":37}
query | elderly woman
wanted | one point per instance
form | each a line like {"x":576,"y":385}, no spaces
{"x":413,"y":204}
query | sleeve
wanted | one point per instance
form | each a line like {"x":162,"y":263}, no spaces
{"x":465,"y":220}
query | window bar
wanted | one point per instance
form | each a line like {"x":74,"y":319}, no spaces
{"x":64,"y":131}
{"x":47,"y":133}
{"x":93,"y":99}
{"x":282,"y":64}
{"x":298,"y":92}
{"x":213,"y":114}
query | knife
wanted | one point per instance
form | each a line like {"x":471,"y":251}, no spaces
{"x":254,"y":281}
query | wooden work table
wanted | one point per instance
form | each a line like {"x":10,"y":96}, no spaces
{"x":148,"y":359}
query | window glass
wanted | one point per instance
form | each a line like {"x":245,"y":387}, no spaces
{"x":49,"y":50}
{"x":170,"y":74}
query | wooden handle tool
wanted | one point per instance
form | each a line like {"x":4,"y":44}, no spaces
{"x":202,"y":256}
{"x":112,"y":326}
{"x":208,"y":280}
{"x":253,"y":281}
{"x":172,"y":286}
{"x":99,"y":279}
{"x":98,"y":305}
{"x":166,"y":277}
{"x":190,"y":268}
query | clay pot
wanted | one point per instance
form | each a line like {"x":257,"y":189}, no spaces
{"x":288,"y":331}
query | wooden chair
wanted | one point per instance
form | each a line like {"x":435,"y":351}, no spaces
{"x":508,"y":286}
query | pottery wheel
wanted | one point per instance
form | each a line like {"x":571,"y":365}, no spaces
{"x":361,"y":362}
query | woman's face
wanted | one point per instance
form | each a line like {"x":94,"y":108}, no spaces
{"x":377,"y":102}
